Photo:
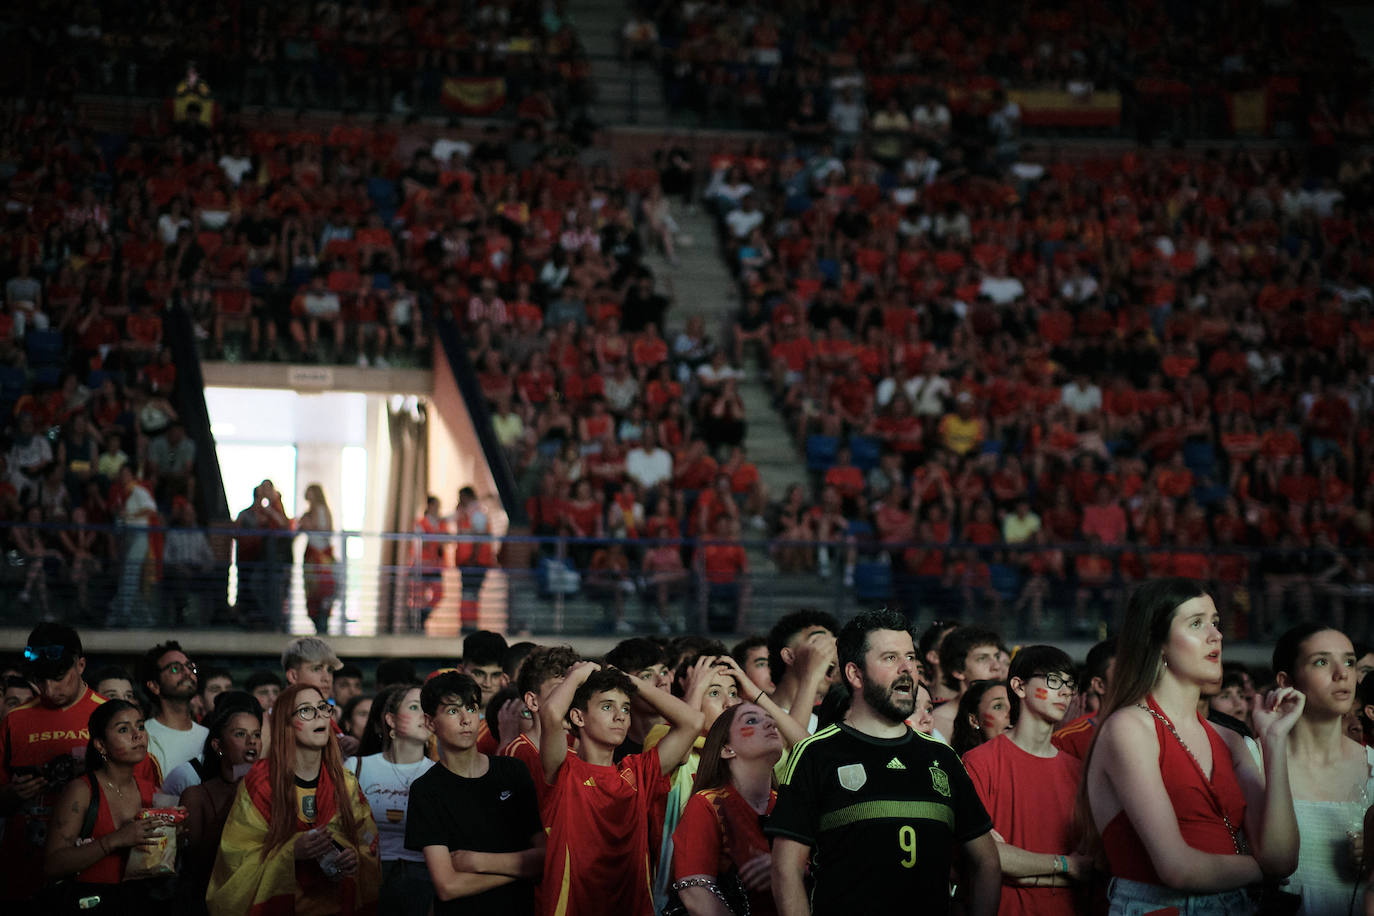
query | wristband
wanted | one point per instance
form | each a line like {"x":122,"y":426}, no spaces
{"x":760,"y":696}
{"x":1063,"y":864}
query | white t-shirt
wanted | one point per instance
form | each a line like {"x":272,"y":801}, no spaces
{"x":171,"y":747}
{"x":235,"y":167}
{"x":179,"y":780}
{"x":742,"y":222}
{"x":387,"y":788}
{"x":648,"y":468}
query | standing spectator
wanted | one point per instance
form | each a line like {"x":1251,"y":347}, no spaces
{"x":317,"y":523}
{"x":279,"y":832}
{"x":1036,"y":827}
{"x":261,"y":585}
{"x":473,"y":817}
{"x":137,"y":512}
{"x":172,"y":463}
{"x":386,"y":778}
{"x":427,"y":589}
{"x":724,"y":569}
{"x":848,"y":766}
{"x":472,"y":557}
{"x":187,"y":561}
{"x":171,"y":680}
{"x":1192,"y":842}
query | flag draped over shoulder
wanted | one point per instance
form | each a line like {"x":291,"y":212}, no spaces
{"x":247,"y":883}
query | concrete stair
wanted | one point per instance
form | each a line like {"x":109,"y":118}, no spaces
{"x":626,"y":93}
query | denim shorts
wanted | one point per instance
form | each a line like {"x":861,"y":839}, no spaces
{"x":1135,"y":898}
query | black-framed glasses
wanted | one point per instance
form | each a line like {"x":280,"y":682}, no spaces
{"x":1055,"y":680}
{"x":44,"y":653}
{"x":178,"y":667}
{"x":307,"y":713}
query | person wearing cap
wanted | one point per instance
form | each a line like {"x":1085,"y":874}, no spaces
{"x":42,"y":746}
{"x":309,"y":660}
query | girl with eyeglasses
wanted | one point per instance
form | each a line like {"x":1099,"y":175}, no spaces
{"x":300,"y":836}
{"x":390,"y":758}
{"x":95,"y":850}
{"x":1181,"y":813}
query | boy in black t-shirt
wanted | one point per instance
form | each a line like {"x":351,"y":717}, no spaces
{"x":474,"y":817}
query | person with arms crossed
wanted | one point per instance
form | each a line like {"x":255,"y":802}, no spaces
{"x":876,"y":808}
{"x":475,"y":818}
{"x":1185,"y":817}
{"x":1028,"y":786}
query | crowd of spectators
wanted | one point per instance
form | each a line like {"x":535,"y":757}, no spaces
{"x":772,"y":64}
{"x":325,"y":54}
{"x":1056,"y":377}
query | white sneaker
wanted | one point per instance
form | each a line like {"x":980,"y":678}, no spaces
{"x":362,"y":361}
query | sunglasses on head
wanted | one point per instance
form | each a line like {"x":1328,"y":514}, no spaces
{"x":44,"y":653}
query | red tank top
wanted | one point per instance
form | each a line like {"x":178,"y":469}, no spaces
{"x":110,"y":870}
{"x":1195,"y":806}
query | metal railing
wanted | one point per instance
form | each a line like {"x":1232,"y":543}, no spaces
{"x":376,"y":584}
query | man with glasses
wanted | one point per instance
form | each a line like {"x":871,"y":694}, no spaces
{"x":171,"y":681}
{"x":1029,"y":787}
{"x":42,"y":746}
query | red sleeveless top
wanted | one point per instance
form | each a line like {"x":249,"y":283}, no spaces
{"x":110,"y":870}
{"x":1197,"y":807}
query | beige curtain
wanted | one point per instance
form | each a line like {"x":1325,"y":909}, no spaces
{"x":405,"y":501}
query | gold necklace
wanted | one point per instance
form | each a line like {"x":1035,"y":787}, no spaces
{"x":114,"y":789}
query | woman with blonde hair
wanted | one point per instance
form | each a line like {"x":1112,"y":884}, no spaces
{"x":1185,"y":817}
{"x":300,"y":836}
{"x":317,"y":522}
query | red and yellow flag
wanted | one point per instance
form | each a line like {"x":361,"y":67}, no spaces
{"x":474,"y":95}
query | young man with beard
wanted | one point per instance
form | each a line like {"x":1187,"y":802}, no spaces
{"x":171,"y":681}
{"x":1029,"y":787}
{"x":876,"y":808}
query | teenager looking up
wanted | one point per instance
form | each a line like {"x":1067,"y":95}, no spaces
{"x":597,"y":811}
{"x":984,"y":712}
{"x":299,"y":837}
{"x":1332,"y":777}
{"x":873,"y":807}
{"x":967,"y":654}
{"x":1028,"y":786}
{"x":385,"y":778}
{"x":474,"y":818}
{"x":1215,"y":824}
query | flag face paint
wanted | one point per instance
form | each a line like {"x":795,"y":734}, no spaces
{"x":747,"y":731}
{"x":1041,"y":693}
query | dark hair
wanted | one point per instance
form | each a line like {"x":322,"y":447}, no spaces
{"x":15,"y":682}
{"x":932,"y":638}
{"x":966,"y":736}
{"x":106,"y":673}
{"x":376,"y":736}
{"x":851,"y":645}
{"x":395,"y":671}
{"x":788,"y":626}
{"x":442,"y":686}
{"x":229,"y":704}
{"x":543,"y":665}
{"x":958,"y":643}
{"x":1232,"y":678}
{"x":147,"y":665}
{"x":603,"y":681}
{"x":1364,"y":698}
{"x":713,"y":770}
{"x":1099,"y":659}
{"x":262,"y":678}
{"x":484,"y":648}
{"x":346,"y":714}
{"x":1288,"y":647}
{"x":746,"y":645}
{"x":691,"y":645}
{"x":493,"y":712}
{"x":209,"y":674}
{"x":515,"y":656}
{"x":1033,"y":660}
{"x":634,"y":654}
{"x":99,"y":722}
{"x":348,"y":670}
{"x":1140,"y":646}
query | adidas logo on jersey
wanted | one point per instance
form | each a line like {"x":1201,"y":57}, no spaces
{"x":590,"y":782}
{"x":895,"y":764}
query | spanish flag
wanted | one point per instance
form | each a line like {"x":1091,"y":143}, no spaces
{"x":474,"y":95}
{"x":244,"y":881}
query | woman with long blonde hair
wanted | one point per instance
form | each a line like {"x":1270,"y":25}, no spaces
{"x":300,"y":836}
{"x":317,"y":523}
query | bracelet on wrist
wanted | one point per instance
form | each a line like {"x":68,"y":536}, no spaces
{"x":1063,"y":864}
{"x":760,"y":696}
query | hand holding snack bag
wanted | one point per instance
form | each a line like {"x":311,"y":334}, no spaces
{"x":159,"y":858}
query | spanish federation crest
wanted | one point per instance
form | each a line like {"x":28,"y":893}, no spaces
{"x":852,"y":776}
{"x":939,"y":780}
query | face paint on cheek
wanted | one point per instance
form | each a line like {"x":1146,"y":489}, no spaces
{"x":989,"y":721}
{"x":1041,"y":693}
{"x":747,"y":731}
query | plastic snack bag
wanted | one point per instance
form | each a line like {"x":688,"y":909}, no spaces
{"x":159,"y":859}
